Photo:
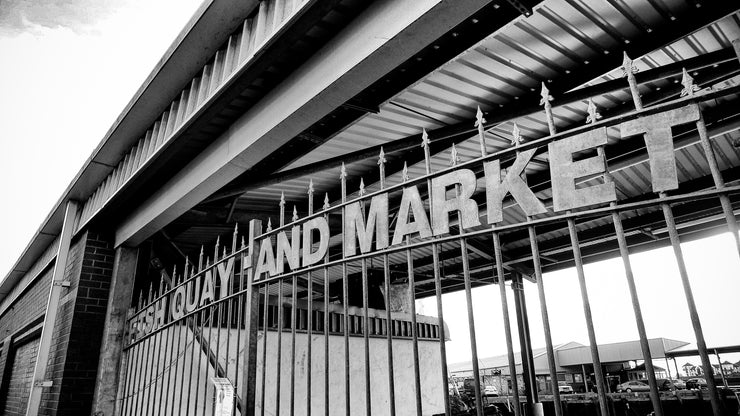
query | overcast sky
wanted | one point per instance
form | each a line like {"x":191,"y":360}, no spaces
{"x":70,"y":67}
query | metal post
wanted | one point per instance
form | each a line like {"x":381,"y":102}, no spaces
{"x":507,"y":323}
{"x":528,"y":370}
{"x":437,"y":278}
{"x":55,"y":293}
{"x":249,"y":375}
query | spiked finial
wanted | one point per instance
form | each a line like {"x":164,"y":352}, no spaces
{"x":310,"y":187}
{"x":200,"y":258}
{"x":516,"y":135}
{"x":480,"y":123}
{"x":141,"y":299}
{"x":593,"y":112}
{"x":215,"y":250}
{"x":628,"y":65}
{"x":326,"y":201}
{"x":243,"y":244}
{"x":545,"y":96}
{"x":343,"y":172}
{"x":282,"y":198}
{"x":479,"y":120}
{"x":424,"y":138}
{"x":295,"y":214}
{"x":454,"y":158}
{"x":151,"y":291}
{"x":405,"y":173}
{"x":269,"y":225}
{"x":362,"y":187}
{"x":381,"y":157}
{"x":688,"y":84}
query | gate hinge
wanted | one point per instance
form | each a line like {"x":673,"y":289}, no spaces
{"x":62,"y":283}
{"x":43,"y":383}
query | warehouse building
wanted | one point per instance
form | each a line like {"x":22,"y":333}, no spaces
{"x":252,"y":233}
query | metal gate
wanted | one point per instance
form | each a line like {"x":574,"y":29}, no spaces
{"x":292,"y":319}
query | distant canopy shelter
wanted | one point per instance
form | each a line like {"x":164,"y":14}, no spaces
{"x":253,"y":233}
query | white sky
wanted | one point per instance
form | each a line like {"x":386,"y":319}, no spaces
{"x":70,"y":67}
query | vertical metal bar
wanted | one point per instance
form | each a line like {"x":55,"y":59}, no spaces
{"x":278,"y":371}
{"x":265,"y":313}
{"x":140,"y":347}
{"x":162,"y":291}
{"x":181,"y":328}
{"x":165,"y":363}
{"x":437,"y":279}
{"x":388,"y":316}
{"x":149,"y":360}
{"x":249,"y":379}
{"x":345,"y":298}
{"x":721,"y":370}
{"x":499,"y":270}
{"x":545,"y":319}
{"x":206,"y":380}
{"x":131,"y":379}
{"x":600,"y":384}
{"x":414,"y":324}
{"x":168,"y":361}
{"x":644,"y":344}
{"x":693,"y":312}
{"x":719,"y":182}
{"x":201,"y":326}
{"x":326,"y":316}
{"x":469,"y":301}
{"x":507,"y":321}
{"x":293,"y":324}
{"x":629,"y":70}
{"x":528,"y":375}
{"x":188,"y":331}
{"x":366,"y":334}
{"x":194,"y":329}
{"x":309,"y":318}
{"x":240,"y":312}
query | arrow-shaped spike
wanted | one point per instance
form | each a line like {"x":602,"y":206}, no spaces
{"x":479,"y":120}
{"x":269,"y":225}
{"x":424,"y":138}
{"x":545,"y":96}
{"x":593,"y":112}
{"x":381,"y":157}
{"x":628,"y":65}
{"x":405,"y":173}
{"x":310,"y":186}
{"x":362,"y":187}
{"x":454,"y":158}
{"x":243,"y":245}
{"x":295,"y":214}
{"x":282,"y":198}
{"x":516,"y":135}
{"x":151,"y":291}
{"x":343,"y":172}
{"x":688,"y":84}
{"x":326,"y":201}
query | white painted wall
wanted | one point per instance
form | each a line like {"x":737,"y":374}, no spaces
{"x":180,"y":378}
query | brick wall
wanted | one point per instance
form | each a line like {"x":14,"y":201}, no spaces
{"x":78,"y":331}
{"x":20,"y":375}
{"x":77,"y":334}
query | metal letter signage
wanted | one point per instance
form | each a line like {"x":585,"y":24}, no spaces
{"x":465,"y":180}
{"x":659,"y":142}
{"x":358,"y":229}
{"x":564,"y":171}
{"x":411,"y":203}
{"x":513,"y":183}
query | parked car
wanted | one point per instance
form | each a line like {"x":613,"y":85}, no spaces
{"x":679,"y":384}
{"x":696,"y":383}
{"x":665,"y":384}
{"x":564,"y":388}
{"x":631,"y":386}
{"x":490,"y":391}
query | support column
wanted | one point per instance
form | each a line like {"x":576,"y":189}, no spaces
{"x":58,"y":282}
{"x":528,"y":370}
{"x":119,"y":301}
